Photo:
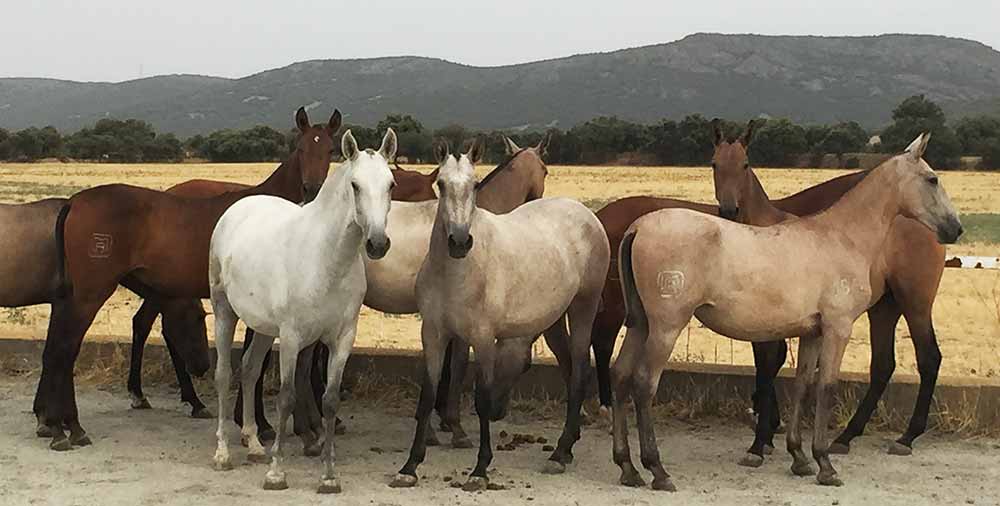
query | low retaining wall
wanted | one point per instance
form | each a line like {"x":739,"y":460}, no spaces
{"x":967,"y":404}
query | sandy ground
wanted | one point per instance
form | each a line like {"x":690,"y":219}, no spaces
{"x":161,"y":456}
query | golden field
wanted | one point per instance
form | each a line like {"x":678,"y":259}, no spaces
{"x":967,"y":313}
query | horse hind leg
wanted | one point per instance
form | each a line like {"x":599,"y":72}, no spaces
{"x":645,"y":382}
{"x":621,"y":381}
{"x":834,"y":343}
{"x":142,"y":324}
{"x":602,"y":338}
{"x":305,"y":405}
{"x":882,"y":317}
{"x":225,"y":326}
{"x":450,"y":411}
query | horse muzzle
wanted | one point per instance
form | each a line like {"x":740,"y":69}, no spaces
{"x":459,"y":244}
{"x":376,"y":248}
{"x":309,"y":192}
{"x":730,"y":213}
{"x":950,"y":231}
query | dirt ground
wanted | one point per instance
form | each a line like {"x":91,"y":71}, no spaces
{"x":161,"y":456}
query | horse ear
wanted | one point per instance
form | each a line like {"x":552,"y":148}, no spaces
{"x":748,"y":134}
{"x":389,"y":143}
{"x":335,"y":121}
{"x":475,"y":152}
{"x":302,"y":119}
{"x":348,"y":146}
{"x":717,"y":131}
{"x":441,"y":151}
{"x":918,"y":146}
{"x":543,"y":145}
{"x":510,"y":145}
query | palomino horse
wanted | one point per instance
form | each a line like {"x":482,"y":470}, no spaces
{"x":913,"y":279}
{"x":155,"y":244}
{"x":810,"y":277}
{"x":469,"y":290}
{"x":314,"y":253}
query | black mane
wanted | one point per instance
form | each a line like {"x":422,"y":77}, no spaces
{"x":503,"y":165}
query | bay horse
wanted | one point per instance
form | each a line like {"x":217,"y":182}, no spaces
{"x":314,"y":253}
{"x":915,"y":263}
{"x":413,"y":186}
{"x":809,"y":278}
{"x":155,"y":244}
{"x":479,"y":267}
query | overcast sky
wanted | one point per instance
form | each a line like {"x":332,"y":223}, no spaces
{"x":114,"y":40}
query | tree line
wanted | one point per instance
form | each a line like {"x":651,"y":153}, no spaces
{"x":777,"y":142}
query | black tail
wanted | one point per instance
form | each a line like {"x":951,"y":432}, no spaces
{"x":64,"y":288}
{"x":635,"y":314}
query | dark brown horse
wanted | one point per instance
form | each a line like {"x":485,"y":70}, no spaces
{"x":155,"y":244}
{"x":912,"y":287}
{"x":413,"y":186}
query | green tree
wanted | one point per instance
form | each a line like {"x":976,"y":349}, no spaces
{"x":695,"y":141}
{"x":5,"y":145}
{"x":978,"y":134}
{"x":846,"y":137}
{"x":400,"y":123}
{"x":455,"y":134}
{"x":814,"y":137}
{"x":914,"y":116}
{"x":777,"y":142}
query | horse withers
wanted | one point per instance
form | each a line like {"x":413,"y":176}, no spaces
{"x":314,"y":253}
{"x":810,"y":277}
{"x":479,"y":268}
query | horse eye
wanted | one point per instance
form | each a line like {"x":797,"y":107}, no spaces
{"x":933,"y":180}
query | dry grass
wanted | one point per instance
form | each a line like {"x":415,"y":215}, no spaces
{"x":967,"y":312}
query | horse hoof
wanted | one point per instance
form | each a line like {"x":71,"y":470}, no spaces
{"x":403,"y":481}
{"x":313,"y":450}
{"x":461,"y":442}
{"x":804,"y":469}
{"x":329,"y":486}
{"x":81,"y":440}
{"x":257,"y":458}
{"x":631,"y":479}
{"x":897,"y":448}
{"x":663,"y":484}
{"x":444,"y":426}
{"x":829,"y":479}
{"x":432,"y":439}
{"x":275,"y":481}
{"x":201,"y":413}
{"x":61,"y":444}
{"x":604,"y":413}
{"x":141,"y":403}
{"x":43,"y":431}
{"x":839,"y":448}
{"x":768,"y":450}
{"x":266,"y":434}
{"x":475,"y":484}
{"x":223,"y":465}
{"x":553,"y":467}
{"x":751,"y":460}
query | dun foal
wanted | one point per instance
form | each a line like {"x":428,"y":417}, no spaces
{"x":297,"y":272}
{"x":479,"y":268}
{"x":810,"y":277}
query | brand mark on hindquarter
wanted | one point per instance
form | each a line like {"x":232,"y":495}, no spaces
{"x":670,"y":283}
{"x":100,"y":245}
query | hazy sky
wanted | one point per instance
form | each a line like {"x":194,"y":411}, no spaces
{"x":114,"y":40}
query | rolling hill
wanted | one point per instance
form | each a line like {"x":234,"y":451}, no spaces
{"x":809,"y":79}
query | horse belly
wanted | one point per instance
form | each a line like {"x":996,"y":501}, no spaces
{"x":390,"y":290}
{"x":749,"y":323}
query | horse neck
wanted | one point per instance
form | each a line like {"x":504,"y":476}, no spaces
{"x":333,"y":211}
{"x":757,"y":208}
{"x":866,"y":212}
{"x":284,"y":182}
{"x":503,"y":192}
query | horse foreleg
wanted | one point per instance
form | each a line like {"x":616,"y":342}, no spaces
{"x":882,"y":318}
{"x":928,"y":364}
{"x":142,"y":324}
{"x":250,"y":370}
{"x":434,"y":349}
{"x":835,"y":338}
{"x":452,"y":414}
{"x":809,"y":348}
{"x":768,"y":357}
{"x":485,"y":362}
{"x":338,"y":351}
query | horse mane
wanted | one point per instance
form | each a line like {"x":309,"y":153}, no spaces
{"x":503,"y":165}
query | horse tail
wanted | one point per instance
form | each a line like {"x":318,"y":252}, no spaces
{"x":635,"y":314}
{"x":63,"y":287}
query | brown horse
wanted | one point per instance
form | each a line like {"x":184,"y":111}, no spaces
{"x":155,"y":244}
{"x":413,"y":186}
{"x":913,"y":287}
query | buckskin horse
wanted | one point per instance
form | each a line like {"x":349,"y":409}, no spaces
{"x":156,"y":244}
{"x":809,"y":278}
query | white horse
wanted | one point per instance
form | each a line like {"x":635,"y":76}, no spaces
{"x":298,"y":273}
